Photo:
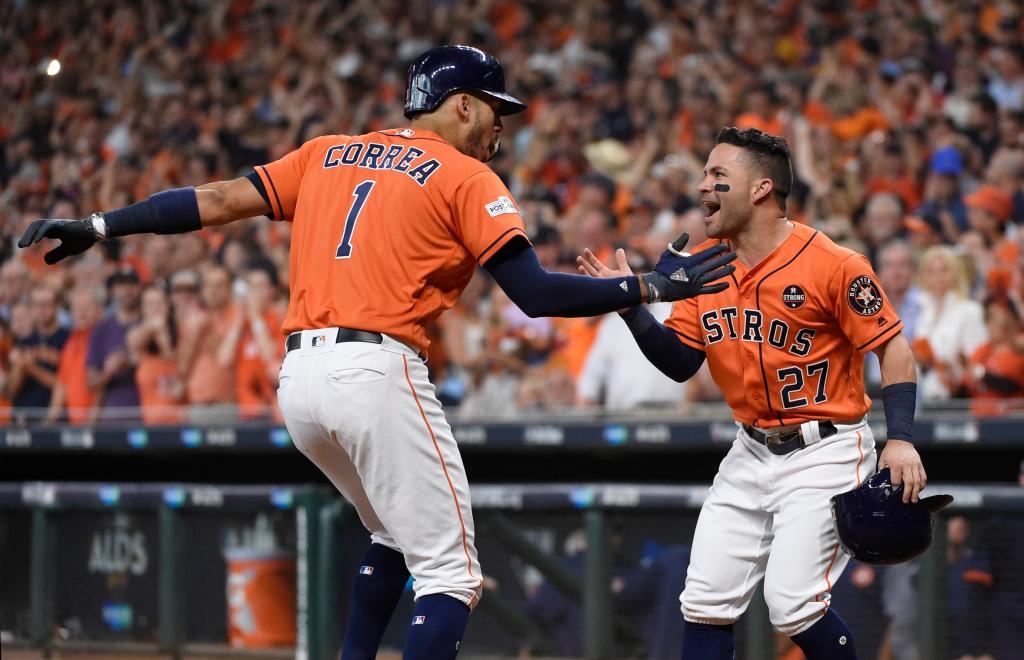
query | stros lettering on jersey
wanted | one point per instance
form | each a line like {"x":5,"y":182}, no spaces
{"x":353,"y":264}
{"x":786,"y":341}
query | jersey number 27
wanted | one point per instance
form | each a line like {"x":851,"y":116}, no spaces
{"x":361,"y":193}
{"x":793,"y":382}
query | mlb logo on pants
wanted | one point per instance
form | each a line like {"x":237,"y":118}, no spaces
{"x":319,"y":340}
{"x":419,"y":620}
{"x":366,"y":570}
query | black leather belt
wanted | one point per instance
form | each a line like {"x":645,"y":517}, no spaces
{"x":344,"y":334}
{"x":781,"y":444}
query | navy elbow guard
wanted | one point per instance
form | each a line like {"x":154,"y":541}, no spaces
{"x":661,"y":346}
{"x":173,"y":211}
{"x":899,"y":401}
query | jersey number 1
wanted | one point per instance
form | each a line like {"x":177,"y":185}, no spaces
{"x":361,"y":193}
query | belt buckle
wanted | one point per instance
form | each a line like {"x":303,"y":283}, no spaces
{"x":774,"y":438}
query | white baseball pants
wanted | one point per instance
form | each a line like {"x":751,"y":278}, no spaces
{"x":367,"y":416}
{"x":768,"y":516}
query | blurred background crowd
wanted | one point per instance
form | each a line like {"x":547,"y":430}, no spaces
{"x":905,"y":120}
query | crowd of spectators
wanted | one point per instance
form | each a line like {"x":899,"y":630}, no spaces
{"x":905,"y":120}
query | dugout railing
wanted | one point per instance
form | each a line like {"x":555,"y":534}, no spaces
{"x":705,"y":425}
{"x":42,"y":535}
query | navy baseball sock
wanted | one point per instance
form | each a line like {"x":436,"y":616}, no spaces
{"x":438,"y":623}
{"x":375,"y":593}
{"x":828,"y":639}
{"x":705,"y":641}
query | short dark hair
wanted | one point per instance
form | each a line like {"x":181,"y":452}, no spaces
{"x":265,"y":265}
{"x":769,"y":155}
{"x":1000,"y":300}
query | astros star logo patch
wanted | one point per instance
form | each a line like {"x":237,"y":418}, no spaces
{"x":864,"y":296}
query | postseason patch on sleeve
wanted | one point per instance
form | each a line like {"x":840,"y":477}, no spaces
{"x":501,"y":206}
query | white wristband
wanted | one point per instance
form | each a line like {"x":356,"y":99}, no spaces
{"x":99,"y":225}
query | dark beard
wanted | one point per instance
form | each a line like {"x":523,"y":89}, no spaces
{"x":475,"y":138}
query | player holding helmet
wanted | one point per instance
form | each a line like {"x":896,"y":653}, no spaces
{"x":785,"y":344}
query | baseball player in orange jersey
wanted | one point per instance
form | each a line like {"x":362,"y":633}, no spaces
{"x":388,"y":228}
{"x":785,"y":343}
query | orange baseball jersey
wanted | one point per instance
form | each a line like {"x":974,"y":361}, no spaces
{"x":785,"y":341}
{"x":388,"y":228}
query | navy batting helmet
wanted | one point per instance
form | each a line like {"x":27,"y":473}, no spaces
{"x":443,"y":71}
{"x":876,"y":527}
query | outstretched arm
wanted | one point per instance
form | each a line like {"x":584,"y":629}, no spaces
{"x":660,"y":345}
{"x":538,"y":292}
{"x":223,"y":202}
{"x":175,"y":211}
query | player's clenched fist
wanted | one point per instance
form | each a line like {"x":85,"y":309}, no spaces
{"x":76,"y":236}
{"x":680,"y":275}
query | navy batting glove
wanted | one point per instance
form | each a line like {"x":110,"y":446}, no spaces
{"x":76,"y":236}
{"x":680,"y":275}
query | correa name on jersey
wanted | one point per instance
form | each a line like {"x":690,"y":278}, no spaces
{"x":719,"y":323}
{"x":376,"y":156}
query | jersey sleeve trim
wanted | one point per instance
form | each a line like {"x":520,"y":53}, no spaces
{"x":690,"y":341}
{"x":877,"y":340}
{"x":278,"y":214}
{"x":499,"y":242}
{"x":257,"y":183}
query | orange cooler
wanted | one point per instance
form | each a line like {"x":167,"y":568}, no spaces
{"x":261,"y":598}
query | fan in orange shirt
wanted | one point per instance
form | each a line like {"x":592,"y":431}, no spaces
{"x":762,"y":111}
{"x":205,"y":361}
{"x":259,"y":350}
{"x":71,"y":393}
{"x":152,"y":347}
{"x":995,"y":372}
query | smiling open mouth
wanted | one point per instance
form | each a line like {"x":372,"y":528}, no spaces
{"x":711,"y":206}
